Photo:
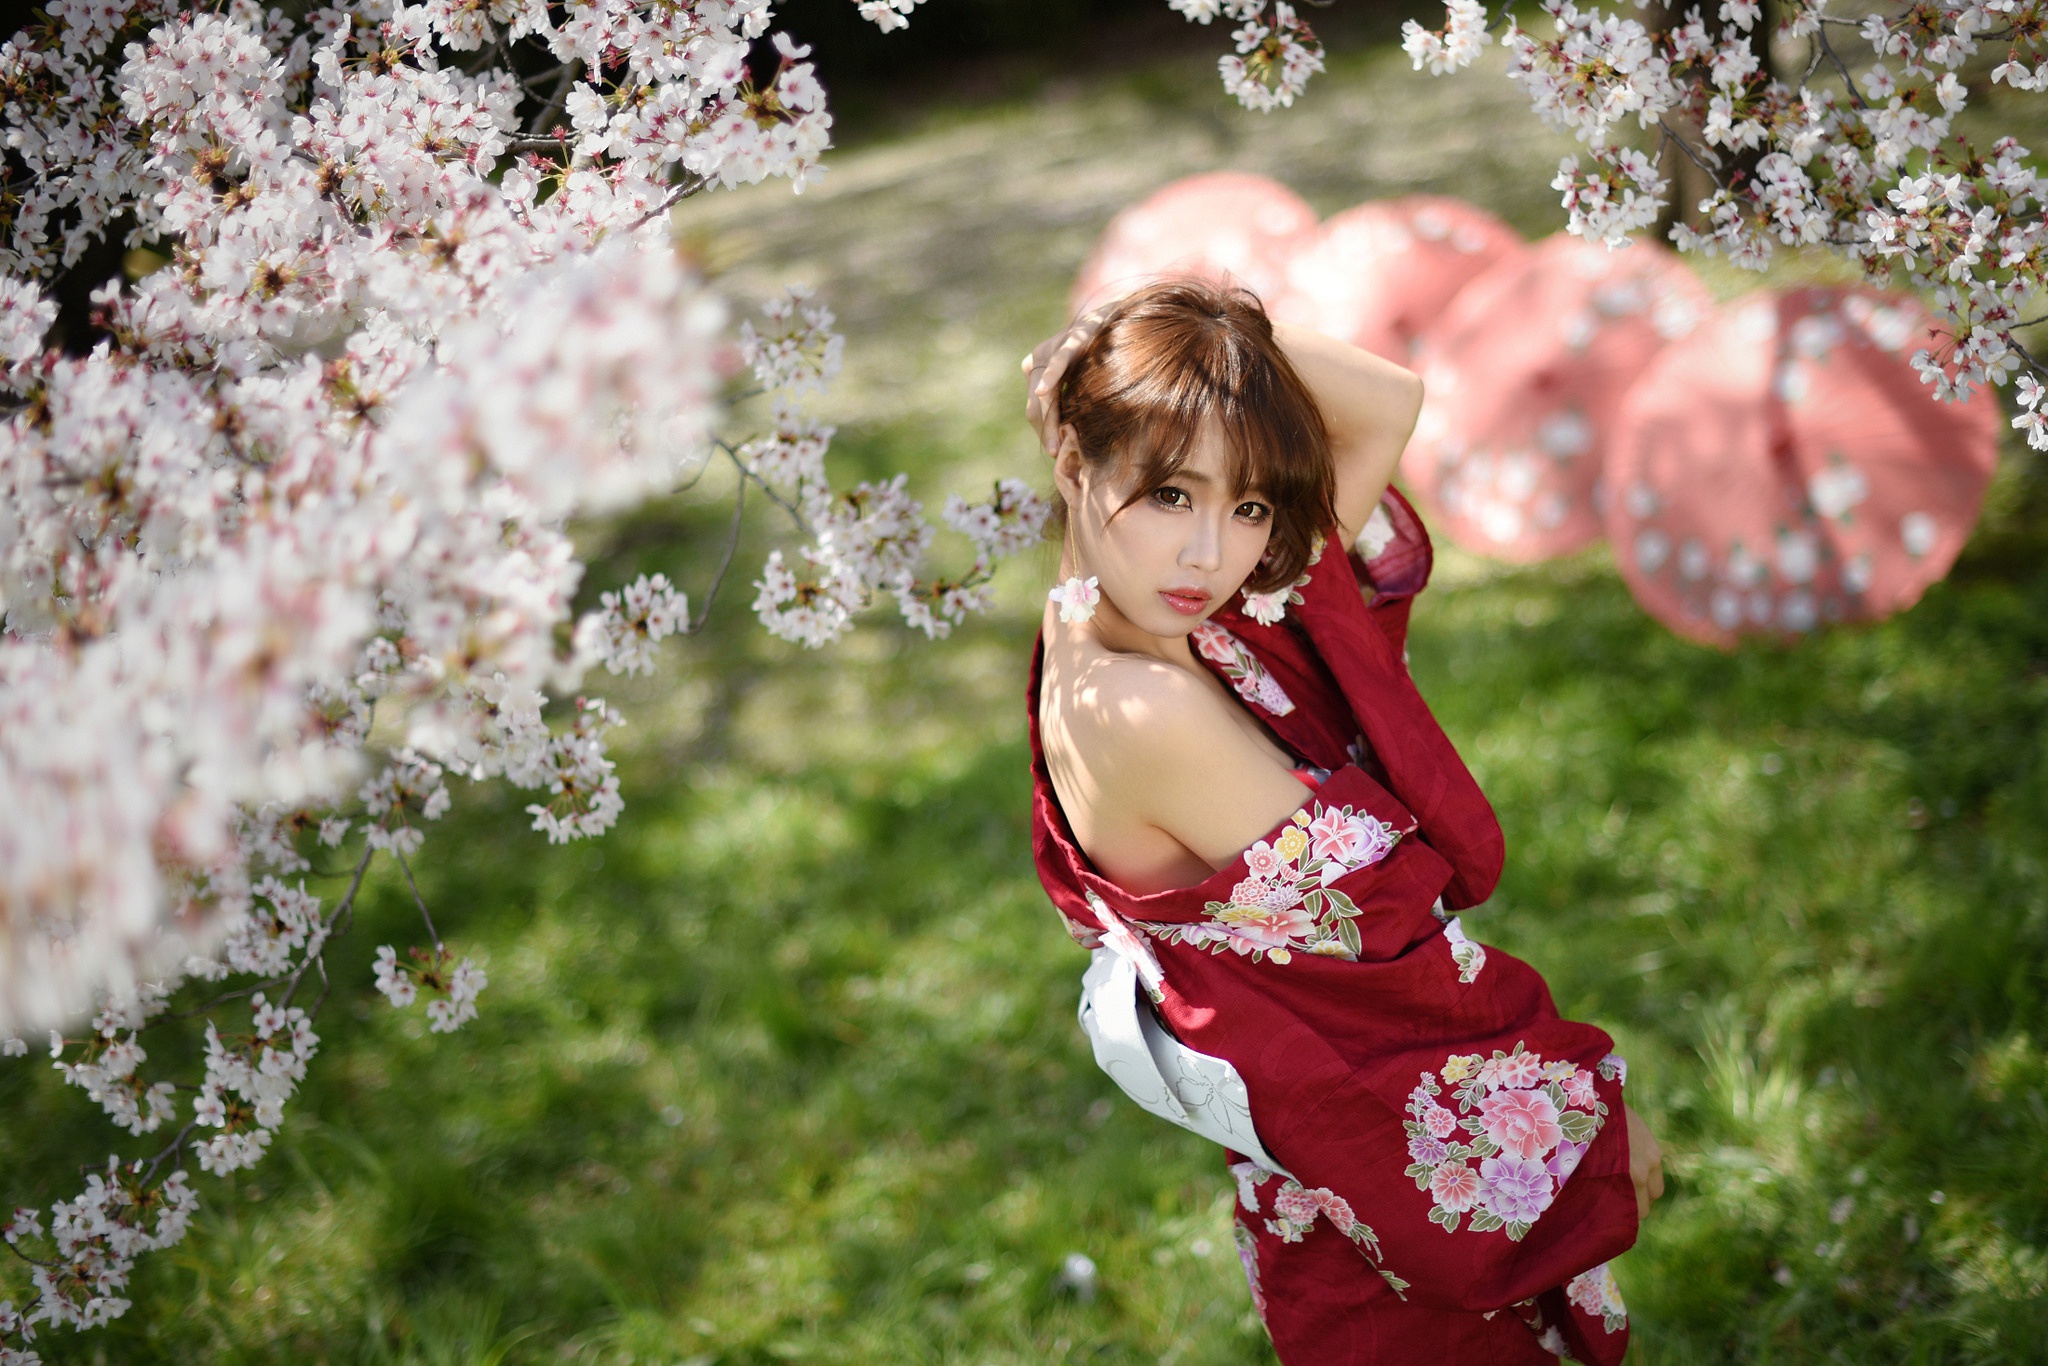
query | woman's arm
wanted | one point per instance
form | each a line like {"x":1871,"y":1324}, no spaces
{"x":1369,"y":405}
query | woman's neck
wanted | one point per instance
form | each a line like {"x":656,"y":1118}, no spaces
{"x":1114,"y":631}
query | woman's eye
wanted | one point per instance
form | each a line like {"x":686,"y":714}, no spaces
{"x":1171,"y":497}
{"x":1254,"y":512}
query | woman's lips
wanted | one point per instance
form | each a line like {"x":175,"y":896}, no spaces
{"x":1189,"y":602}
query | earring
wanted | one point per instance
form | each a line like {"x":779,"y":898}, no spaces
{"x":1269,"y":609}
{"x":1077,"y":598}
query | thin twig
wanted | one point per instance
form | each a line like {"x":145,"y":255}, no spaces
{"x":531,"y":84}
{"x":703,"y":468}
{"x":343,"y":908}
{"x":2033,"y":363}
{"x":227,"y":996}
{"x":418,"y":900}
{"x":175,"y":1147}
{"x":732,"y":546}
{"x":15,"y":1248}
{"x":1820,"y":35}
{"x":553,"y":108}
{"x":326,"y":987}
{"x":485,"y":54}
{"x":802,"y":523}
{"x":670,"y":200}
{"x":1673,"y":137}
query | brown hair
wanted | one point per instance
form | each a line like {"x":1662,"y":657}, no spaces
{"x":1176,"y":353}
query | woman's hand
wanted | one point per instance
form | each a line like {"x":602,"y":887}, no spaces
{"x":1645,"y":1164}
{"x":1046,"y":366}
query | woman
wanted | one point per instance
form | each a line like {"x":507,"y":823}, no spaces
{"x":1242,"y":798}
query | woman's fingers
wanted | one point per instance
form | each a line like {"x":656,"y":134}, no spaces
{"x":1046,"y":366}
{"x":1041,"y":407}
{"x":1037,"y":393}
{"x":1645,"y":1164}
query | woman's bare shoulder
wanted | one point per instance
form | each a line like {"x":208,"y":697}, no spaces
{"x":1143,"y":743}
{"x":1130,"y":708}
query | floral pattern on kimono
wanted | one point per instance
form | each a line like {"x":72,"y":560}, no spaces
{"x":1530,"y":1312}
{"x":1253,"y":681}
{"x":1118,"y":936}
{"x":1295,"y":1208}
{"x":1372,"y":1035}
{"x":1286,"y":902}
{"x":1595,"y":1294}
{"x":1469,"y":955}
{"x":1500,"y":1158}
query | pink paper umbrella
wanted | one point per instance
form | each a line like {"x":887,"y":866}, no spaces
{"x":1377,"y":275}
{"x":1522,"y":377}
{"x":1784,"y":467}
{"x":1224,"y":225}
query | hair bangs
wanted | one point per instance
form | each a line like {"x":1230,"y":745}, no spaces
{"x":1182,"y":353}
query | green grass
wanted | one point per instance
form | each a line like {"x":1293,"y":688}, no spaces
{"x":786,"y":1069}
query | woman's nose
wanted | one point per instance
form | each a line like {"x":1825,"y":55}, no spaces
{"x":1203,"y":548}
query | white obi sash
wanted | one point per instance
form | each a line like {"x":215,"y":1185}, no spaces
{"x":1200,"y":1093}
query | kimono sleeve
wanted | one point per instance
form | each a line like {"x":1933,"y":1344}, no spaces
{"x":1392,"y":561}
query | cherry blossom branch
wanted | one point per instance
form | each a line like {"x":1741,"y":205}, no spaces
{"x":748,"y":476}
{"x":419,"y":901}
{"x":1867,"y":163}
{"x":732,"y":546}
{"x":1670,"y":136}
{"x":349,"y":492}
{"x":1820,"y":38}
{"x":552,"y":110}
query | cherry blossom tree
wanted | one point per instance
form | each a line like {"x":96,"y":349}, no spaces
{"x":1806,"y":126}
{"x":284,"y":544}
{"x":284,"y":522}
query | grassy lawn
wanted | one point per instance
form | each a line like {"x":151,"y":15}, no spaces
{"x":786,"y":1068}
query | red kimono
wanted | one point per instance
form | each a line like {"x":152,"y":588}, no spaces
{"x":1458,"y":1154}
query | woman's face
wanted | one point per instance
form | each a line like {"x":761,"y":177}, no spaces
{"x":1176,"y":555}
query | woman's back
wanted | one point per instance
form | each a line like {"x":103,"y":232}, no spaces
{"x":1162,"y":774}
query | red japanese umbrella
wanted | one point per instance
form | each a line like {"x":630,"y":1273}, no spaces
{"x":1784,"y":467}
{"x":1227,"y":225}
{"x":1377,"y":275}
{"x":1522,"y":377}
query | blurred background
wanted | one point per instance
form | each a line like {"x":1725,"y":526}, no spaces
{"x":786,"y":1068}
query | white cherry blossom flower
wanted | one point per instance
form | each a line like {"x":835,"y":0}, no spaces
{"x":1455,"y":45}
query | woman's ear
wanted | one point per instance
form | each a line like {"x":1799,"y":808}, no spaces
{"x":1067,"y":465}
